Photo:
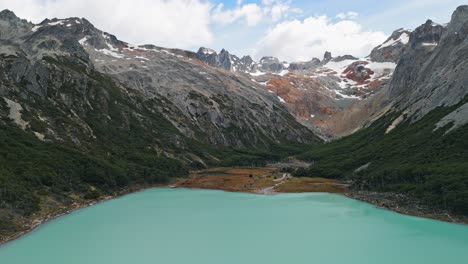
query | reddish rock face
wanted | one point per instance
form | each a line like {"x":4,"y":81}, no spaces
{"x":358,"y":72}
{"x":374,"y":84}
{"x":327,"y":110}
{"x":282,"y":87}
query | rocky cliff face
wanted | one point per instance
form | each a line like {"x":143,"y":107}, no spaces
{"x":432,"y":72}
{"x":225,"y":60}
{"x":63,"y":63}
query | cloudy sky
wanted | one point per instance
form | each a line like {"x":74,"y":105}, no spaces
{"x":287,"y":29}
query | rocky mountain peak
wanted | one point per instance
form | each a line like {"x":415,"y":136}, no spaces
{"x":428,"y":34}
{"x":433,"y":67}
{"x":313,"y":63}
{"x":459,"y":19}
{"x":269,"y":59}
{"x":393,"y":47}
{"x":327,"y":57}
{"x":206,"y":51}
{"x":247,"y":59}
{"x":270,"y":64}
{"x":223,"y":60}
{"x":11,"y":25}
{"x":344,"y":57}
{"x":8,"y":15}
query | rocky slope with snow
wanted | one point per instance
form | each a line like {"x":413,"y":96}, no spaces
{"x":319,"y":93}
{"x":392,"y":48}
{"x":335,"y":96}
{"x":433,"y":71}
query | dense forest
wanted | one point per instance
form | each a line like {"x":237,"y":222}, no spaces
{"x":32,"y":170}
{"x":414,"y":158}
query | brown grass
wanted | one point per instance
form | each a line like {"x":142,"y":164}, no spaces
{"x":255,"y":179}
{"x":229,"y":179}
{"x":295,"y":185}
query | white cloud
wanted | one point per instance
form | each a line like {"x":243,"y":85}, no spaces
{"x":278,"y":10}
{"x":268,"y":2}
{"x":175,"y":23}
{"x":295,"y":10}
{"x":348,"y":15}
{"x":252,"y":13}
{"x":301,"y":40}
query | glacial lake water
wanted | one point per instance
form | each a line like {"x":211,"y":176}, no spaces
{"x":206,"y":227}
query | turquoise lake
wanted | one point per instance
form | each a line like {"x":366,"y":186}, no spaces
{"x":201,"y":226}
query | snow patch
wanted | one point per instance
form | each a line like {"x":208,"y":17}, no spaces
{"x":429,"y":44}
{"x":168,"y":52}
{"x":111,"y":53}
{"x":261,"y":83}
{"x":283,"y":72}
{"x":257,"y":73}
{"x":141,"y":58}
{"x":35,"y":28}
{"x":344,"y":96}
{"x":281,"y":100}
{"x":403,"y":39}
{"x":207,"y":51}
{"x":379,"y":67}
{"x":83,"y":41}
{"x":339,"y":66}
{"x":111,"y":47}
{"x":60,"y":22}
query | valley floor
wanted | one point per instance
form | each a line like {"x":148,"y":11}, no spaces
{"x":266,"y":180}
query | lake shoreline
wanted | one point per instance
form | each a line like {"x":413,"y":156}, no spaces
{"x":405,"y":205}
{"x":254,"y":181}
{"x":33,"y":223}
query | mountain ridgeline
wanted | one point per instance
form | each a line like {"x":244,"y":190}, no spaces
{"x":84,"y":114}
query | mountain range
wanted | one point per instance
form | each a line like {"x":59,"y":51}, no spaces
{"x":84,"y":114}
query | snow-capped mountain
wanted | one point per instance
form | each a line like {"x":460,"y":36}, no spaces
{"x":225,"y":60}
{"x":315,"y":90}
{"x":392,"y":48}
